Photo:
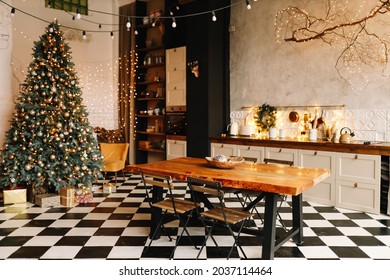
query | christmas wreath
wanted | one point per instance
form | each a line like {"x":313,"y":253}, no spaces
{"x":266,"y":116}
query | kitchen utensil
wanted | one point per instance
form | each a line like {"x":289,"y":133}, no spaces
{"x":233,"y":128}
{"x":346,"y":135}
{"x":293,"y":116}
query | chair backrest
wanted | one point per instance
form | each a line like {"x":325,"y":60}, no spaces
{"x":114,"y":151}
{"x":278,"y":161}
{"x":157,"y":180}
{"x":208,"y":187}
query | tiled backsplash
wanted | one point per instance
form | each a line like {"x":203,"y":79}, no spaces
{"x":371,"y":125}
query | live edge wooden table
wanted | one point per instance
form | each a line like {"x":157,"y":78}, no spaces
{"x":271,"y":179}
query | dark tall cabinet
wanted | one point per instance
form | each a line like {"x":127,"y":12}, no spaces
{"x":208,"y":95}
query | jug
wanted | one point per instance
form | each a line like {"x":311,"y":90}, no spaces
{"x":233,"y":128}
{"x":346,"y":136}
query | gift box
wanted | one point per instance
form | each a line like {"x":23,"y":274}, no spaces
{"x":16,"y":195}
{"x":67,"y":196}
{"x":109,"y":188}
{"x":47,"y":200}
{"x":84,"y":195}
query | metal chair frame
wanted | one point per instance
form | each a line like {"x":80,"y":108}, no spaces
{"x":217,"y":214}
{"x":181,"y":209}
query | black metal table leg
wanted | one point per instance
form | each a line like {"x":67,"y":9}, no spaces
{"x":269,"y":230}
{"x":156,"y":213}
{"x":297,"y":218}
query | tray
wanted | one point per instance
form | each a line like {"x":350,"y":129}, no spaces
{"x":230,"y":163}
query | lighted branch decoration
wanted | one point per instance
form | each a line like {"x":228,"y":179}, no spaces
{"x":363,"y":47}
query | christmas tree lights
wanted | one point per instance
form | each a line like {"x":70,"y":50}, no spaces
{"x":50,"y":143}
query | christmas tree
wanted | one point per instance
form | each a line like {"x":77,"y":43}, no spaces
{"x":50,"y":143}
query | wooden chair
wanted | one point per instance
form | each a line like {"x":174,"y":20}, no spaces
{"x":217,"y":214}
{"x":180,"y":209}
{"x":115,"y":155}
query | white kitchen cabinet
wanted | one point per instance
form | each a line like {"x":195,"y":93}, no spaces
{"x":223,"y":149}
{"x":175,"y":77}
{"x":282,"y":154}
{"x":176,"y":148}
{"x":250,"y":152}
{"x":325,"y":191}
{"x":358,"y":182}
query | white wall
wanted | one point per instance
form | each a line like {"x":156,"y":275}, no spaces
{"x":5,"y":70}
{"x":263,"y":70}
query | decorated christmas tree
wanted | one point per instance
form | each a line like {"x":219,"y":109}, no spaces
{"x":50,"y":143}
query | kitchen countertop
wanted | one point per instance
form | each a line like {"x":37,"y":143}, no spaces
{"x":355,"y":146}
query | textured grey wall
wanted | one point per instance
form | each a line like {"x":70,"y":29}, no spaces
{"x":280,"y":74}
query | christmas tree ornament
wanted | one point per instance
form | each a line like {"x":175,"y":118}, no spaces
{"x":58,"y":134}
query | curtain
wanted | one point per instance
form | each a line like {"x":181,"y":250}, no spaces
{"x":125,"y":78}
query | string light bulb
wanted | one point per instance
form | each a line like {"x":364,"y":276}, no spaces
{"x":128,"y":23}
{"x":174,"y":22}
{"x":12,"y":11}
{"x":248,"y":5}
{"x":78,"y":15}
{"x":214,"y":17}
{"x":84,"y":35}
{"x":135,"y":32}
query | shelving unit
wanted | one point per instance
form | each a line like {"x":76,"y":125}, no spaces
{"x":150,"y":85}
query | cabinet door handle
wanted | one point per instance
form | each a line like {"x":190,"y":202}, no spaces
{"x":355,"y":185}
{"x":249,"y":147}
{"x":174,"y":88}
{"x":280,"y":150}
{"x":315,"y":153}
{"x":356,"y":156}
{"x":174,"y":69}
{"x":174,"y":50}
{"x":175,"y":142}
{"x":221,"y":145}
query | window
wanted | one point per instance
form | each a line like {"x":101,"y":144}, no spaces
{"x":69,"y":5}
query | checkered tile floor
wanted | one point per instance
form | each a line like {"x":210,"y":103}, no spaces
{"x":116,"y":226}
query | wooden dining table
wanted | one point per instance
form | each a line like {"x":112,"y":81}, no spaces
{"x":270,"y":180}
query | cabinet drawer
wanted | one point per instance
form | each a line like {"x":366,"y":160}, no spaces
{"x":176,"y":148}
{"x":324,"y":193}
{"x":358,"y":196}
{"x":223,"y":149}
{"x":358,"y":168}
{"x":318,"y":159}
{"x":282,"y":154}
{"x":251,"y":152}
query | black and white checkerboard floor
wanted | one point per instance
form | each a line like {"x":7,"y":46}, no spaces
{"x":116,"y":226}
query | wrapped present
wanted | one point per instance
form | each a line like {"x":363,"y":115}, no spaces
{"x":84,"y":195}
{"x":47,"y":200}
{"x":109,"y":188}
{"x":15,"y":195}
{"x":68,"y":196}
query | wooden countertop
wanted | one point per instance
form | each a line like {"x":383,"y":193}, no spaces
{"x":374,"y":148}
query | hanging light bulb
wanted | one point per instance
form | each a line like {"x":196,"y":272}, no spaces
{"x":128,"y":23}
{"x":170,"y":12}
{"x":78,"y":15}
{"x":248,"y":5}
{"x":112,"y":35}
{"x":153,"y":23}
{"x":214,"y":17}
{"x":174,"y":22}
{"x":135,"y":32}
{"x":84,"y":35}
{"x":12,"y":12}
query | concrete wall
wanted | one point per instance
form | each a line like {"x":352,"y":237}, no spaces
{"x":263,"y":70}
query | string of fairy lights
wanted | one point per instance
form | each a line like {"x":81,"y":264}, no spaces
{"x":173,"y":13}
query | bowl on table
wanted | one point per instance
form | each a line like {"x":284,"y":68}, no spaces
{"x":224,"y":162}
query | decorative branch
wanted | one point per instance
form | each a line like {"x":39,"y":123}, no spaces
{"x":362,"y":49}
